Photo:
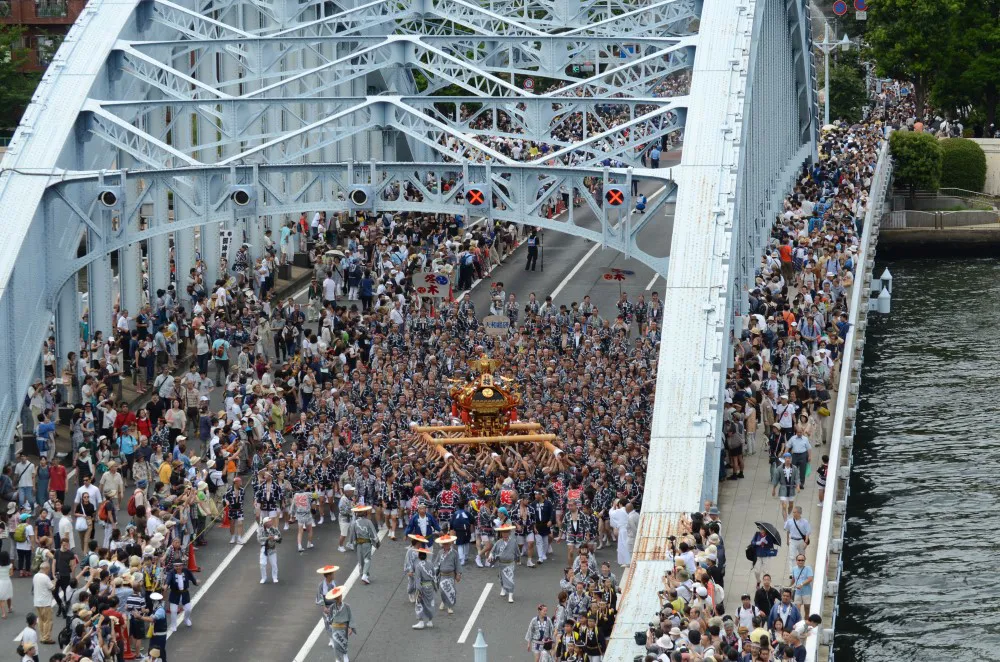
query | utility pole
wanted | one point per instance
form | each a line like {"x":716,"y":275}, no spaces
{"x":826,"y":46}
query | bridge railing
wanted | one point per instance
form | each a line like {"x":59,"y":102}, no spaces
{"x":830,"y":535}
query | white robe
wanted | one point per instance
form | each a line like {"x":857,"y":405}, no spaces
{"x":618,"y":518}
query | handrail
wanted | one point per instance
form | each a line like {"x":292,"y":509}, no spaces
{"x":835,"y":472}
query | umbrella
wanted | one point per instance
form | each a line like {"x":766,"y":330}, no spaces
{"x":829,"y":127}
{"x":772,"y":532}
{"x":335,"y":253}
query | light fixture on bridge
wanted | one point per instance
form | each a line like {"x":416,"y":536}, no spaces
{"x":242,"y":195}
{"x":361,"y":197}
{"x":109,"y":196}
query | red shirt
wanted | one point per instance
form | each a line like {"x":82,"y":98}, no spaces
{"x":785,"y":251}
{"x":121,"y":420}
{"x":57,"y":477}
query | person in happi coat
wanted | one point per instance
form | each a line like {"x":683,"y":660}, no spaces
{"x":269,"y":536}
{"x":505,"y":553}
{"x":339,"y":621}
{"x":364,"y":537}
{"x":179,"y":582}
{"x":449,"y":573}
{"x":423,"y":574}
{"x":409,"y":563}
{"x":540,"y":629}
{"x":326,"y":585}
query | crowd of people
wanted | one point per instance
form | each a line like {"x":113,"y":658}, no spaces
{"x":778,"y":399}
{"x":318,"y":398}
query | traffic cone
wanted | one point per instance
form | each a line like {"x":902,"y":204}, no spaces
{"x":192,"y":564}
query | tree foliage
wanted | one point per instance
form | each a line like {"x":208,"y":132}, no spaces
{"x":963,"y":164}
{"x":16,"y":85}
{"x":917,"y":158}
{"x":948,"y":49}
{"x":848,"y":95}
{"x":909,"y":38}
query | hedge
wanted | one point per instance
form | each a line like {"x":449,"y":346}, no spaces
{"x":918,"y":160}
{"x":963,"y":164}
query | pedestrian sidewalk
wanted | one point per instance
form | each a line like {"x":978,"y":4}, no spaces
{"x":743,"y":502}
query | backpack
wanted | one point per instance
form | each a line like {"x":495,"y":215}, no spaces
{"x":65,"y":636}
{"x":20,"y":533}
{"x":102,"y":512}
{"x":130,"y":508}
{"x":220,"y":351}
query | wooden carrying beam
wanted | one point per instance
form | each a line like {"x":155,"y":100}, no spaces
{"x":504,"y":439}
{"x":516,"y":427}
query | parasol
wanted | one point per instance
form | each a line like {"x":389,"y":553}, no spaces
{"x":772,"y":532}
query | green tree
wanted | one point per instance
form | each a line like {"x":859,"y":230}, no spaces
{"x":970,"y":74}
{"x":917,"y":158}
{"x":963,"y":164}
{"x":909,"y":39}
{"x":16,"y":85}
{"x":847,"y":93}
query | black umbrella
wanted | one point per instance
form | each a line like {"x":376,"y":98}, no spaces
{"x":771,"y":531}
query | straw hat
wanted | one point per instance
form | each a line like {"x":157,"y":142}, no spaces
{"x":360,"y":509}
{"x":418,"y":538}
{"x":445,"y":540}
{"x":334,"y":593}
{"x":505,"y":527}
{"x":328,"y":570}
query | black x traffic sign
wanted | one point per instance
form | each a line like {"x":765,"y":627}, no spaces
{"x":475,"y":197}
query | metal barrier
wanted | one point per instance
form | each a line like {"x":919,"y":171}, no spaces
{"x":937,"y":220}
{"x":829,"y":561}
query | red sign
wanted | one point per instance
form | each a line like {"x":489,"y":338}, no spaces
{"x":614,"y":276}
{"x":475,"y":197}
{"x":615,"y":197}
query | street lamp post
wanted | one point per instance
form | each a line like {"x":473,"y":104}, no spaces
{"x":826,"y":46}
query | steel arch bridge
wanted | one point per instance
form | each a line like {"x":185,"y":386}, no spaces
{"x":161,"y":123}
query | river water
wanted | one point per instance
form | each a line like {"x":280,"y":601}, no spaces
{"x":921,"y":578}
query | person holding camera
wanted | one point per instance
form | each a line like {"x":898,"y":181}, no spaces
{"x":269,"y":537}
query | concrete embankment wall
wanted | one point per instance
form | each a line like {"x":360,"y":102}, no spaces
{"x":927,"y":242}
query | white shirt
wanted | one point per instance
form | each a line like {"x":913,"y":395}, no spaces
{"x":42,"y":587}
{"x":95,"y":494}
{"x":66,"y":531}
{"x":152,"y":524}
{"x":28,"y":636}
{"x":29,"y":533}
{"x":329,"y":289}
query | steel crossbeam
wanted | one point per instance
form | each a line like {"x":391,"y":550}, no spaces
{"x":476,"y":63}
{"x":192,"y":24}
{"x":538,"y":119}
{"x":666,"y":18}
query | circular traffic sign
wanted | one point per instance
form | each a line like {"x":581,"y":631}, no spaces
{"x":861,"y":5}
{"x":840,"y":7}
{"x":529,"y":83}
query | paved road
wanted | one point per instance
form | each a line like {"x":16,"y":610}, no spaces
{"x":284,"y":615}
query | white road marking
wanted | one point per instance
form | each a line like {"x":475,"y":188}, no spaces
{"x":555,"y":292}
{"x":317,"y":631}
{"x":214,"y":577}
{"x":650,"y":286}
{"x":475,"y":613}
